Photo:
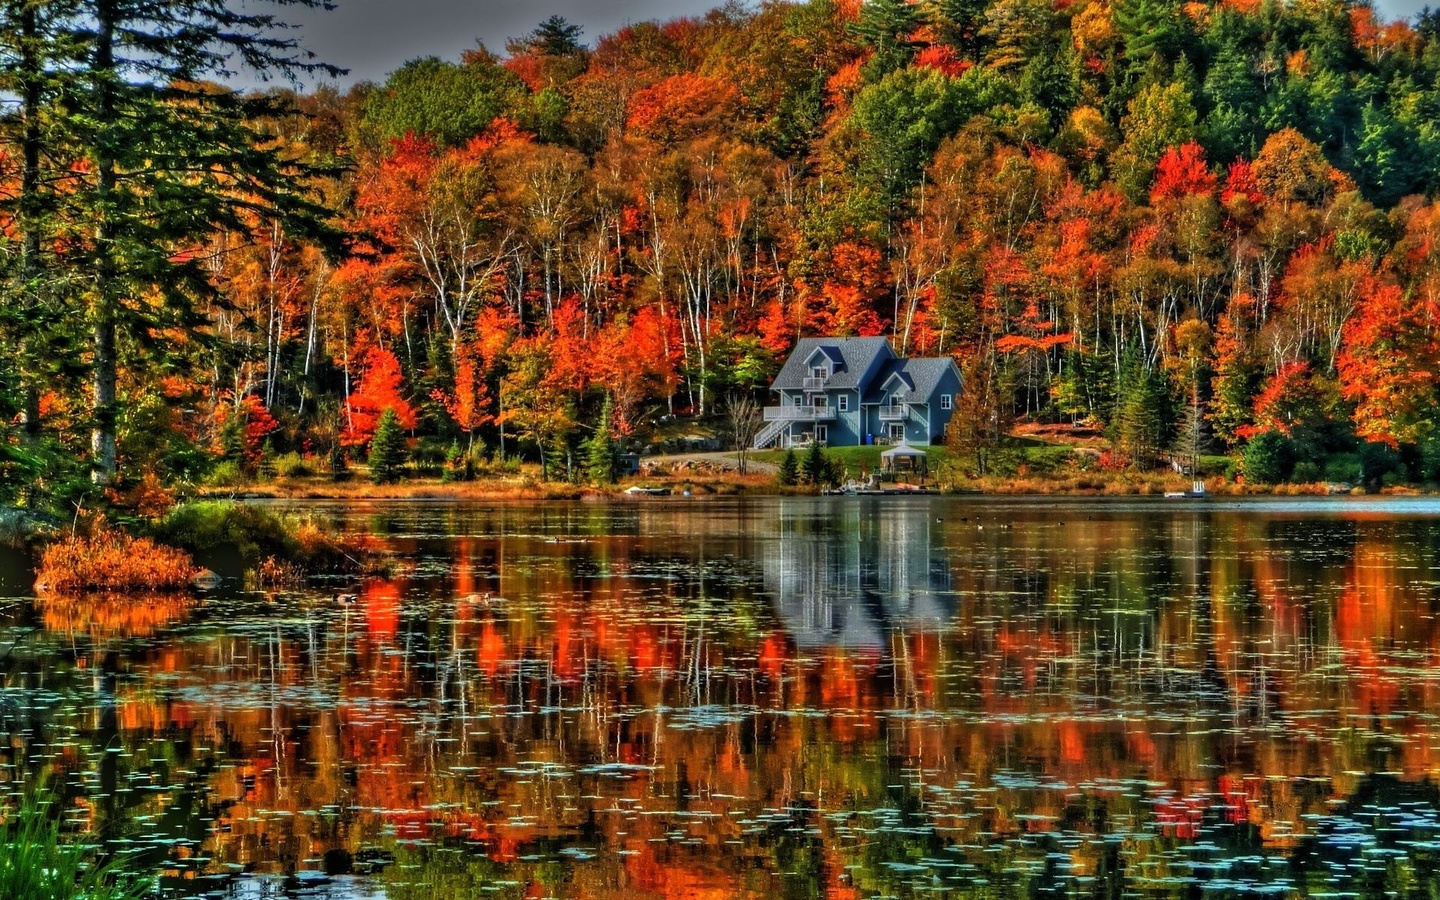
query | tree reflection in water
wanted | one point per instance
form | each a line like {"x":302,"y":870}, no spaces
{"x":774,"y":698}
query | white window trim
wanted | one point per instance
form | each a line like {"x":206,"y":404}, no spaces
{"x":947,"y":401}
{"x":843,"y":403}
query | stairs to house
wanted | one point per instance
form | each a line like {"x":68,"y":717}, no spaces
{"x":769,"y":433}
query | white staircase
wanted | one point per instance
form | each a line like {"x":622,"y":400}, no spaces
{"x":769,"y":433}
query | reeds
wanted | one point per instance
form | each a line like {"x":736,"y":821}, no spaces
{"x":39,"y":862}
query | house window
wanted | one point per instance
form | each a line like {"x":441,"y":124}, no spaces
{"x":844,"y":402}
{"x":819,"y":372}
{"x":821,"y":402}
{"x":947,"y":401}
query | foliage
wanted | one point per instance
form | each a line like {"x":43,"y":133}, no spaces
{"x":380,"y":392}
{"x":113,"y":561}
{"x":1142,"y":217}
{"x":442,"y":100}
{"x":255,"y":534}
{"x":1268,"y":458}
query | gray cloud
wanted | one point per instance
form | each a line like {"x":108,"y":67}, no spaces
{"x":373,"y":37}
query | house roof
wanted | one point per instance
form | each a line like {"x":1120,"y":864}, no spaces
{"x":921,"y":375}
{"x":851,"y":357}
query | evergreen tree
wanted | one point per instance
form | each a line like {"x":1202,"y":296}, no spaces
{"x":165,"y":159}
{"x":813,"y":469}
{"x":232,"y":437}
{"x":1143,"y":412}
{"x":600,"y":462}
{"x":387,"y":449}
{"x":887,"y":27}
{"x":789,"y":473}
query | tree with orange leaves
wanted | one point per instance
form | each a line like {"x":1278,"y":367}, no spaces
{"x":1389,"y":365}
{"x":381,"y":388}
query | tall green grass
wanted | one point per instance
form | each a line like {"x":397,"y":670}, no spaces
{"x":39,"y":862}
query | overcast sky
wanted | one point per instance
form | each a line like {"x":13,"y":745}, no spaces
{"x":373,"y":37}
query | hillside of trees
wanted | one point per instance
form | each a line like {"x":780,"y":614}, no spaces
{"x":1188,"y":226}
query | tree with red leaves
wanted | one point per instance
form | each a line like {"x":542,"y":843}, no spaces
{"x":381,"y":388}
{"x":1389,"y":365}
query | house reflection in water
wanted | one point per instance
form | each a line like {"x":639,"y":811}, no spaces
{"x":849,"y":572}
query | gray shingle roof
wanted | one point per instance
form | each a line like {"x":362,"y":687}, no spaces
{"x":923,"y":375}
{"x":855,"y":356}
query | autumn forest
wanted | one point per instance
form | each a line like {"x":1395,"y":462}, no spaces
{"x":1192,"y":228}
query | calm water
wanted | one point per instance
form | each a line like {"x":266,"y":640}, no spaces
{"x":773,"y":698}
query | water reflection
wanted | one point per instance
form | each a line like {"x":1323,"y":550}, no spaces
{"x":850,"y":575}
{"x":774,"y":698}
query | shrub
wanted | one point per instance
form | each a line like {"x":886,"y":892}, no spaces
{"x":209,"y":525}
{"x":1307,"y":472}
{"x":258,"y":534}
{"x":1376,"y":462}
{"x":1343,"y":467}
{"x":1268,"y":458}
{"x":293,"y":465}
{"x":227,"y":473}
{"x":113,"y":561}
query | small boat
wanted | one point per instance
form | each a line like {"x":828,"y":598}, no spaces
{"x":638,"y":491}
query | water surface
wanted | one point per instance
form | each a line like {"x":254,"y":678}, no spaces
{"x":840,"y":697}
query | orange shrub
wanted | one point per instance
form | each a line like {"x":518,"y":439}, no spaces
{"x":112,"y":561}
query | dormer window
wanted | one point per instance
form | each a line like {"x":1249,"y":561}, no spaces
{"x":820,"y":372}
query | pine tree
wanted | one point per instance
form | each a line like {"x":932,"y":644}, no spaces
{"x":887,"y":27}
{"x":1143,"y":412}
{"x":600,"y":448}
{"x":387,"y":449}
{"x":165,"y":159}
{"x":813,"y":468}
{"x":789,"y":472}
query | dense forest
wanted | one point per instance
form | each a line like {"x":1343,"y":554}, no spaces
{"x":1187,"y":226}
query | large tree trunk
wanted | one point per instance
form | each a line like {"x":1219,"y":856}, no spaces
{"x":102,"y":312}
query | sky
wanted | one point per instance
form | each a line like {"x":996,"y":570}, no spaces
{"x":374,"y":37}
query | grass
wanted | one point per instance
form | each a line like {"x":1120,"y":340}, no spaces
{"x":39,"y":862}
{"x":113,"y":561}
{"x":262,"y":538}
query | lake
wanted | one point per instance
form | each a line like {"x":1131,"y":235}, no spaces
{"x":796,"y":697}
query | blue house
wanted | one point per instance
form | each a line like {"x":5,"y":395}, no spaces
{"x":843,"y":392}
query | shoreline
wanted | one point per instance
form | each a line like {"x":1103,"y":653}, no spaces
{"x":764,"y":486}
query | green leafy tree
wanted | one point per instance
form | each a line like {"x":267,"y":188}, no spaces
{"x":448,"y":103}
{"x":1143,"y":412}
{"x":1160,"y":117}
{"x":1268,"y":458}
{"x":556,"y":36}
{"x":387,"y":449}
{"x":902,"y":120}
